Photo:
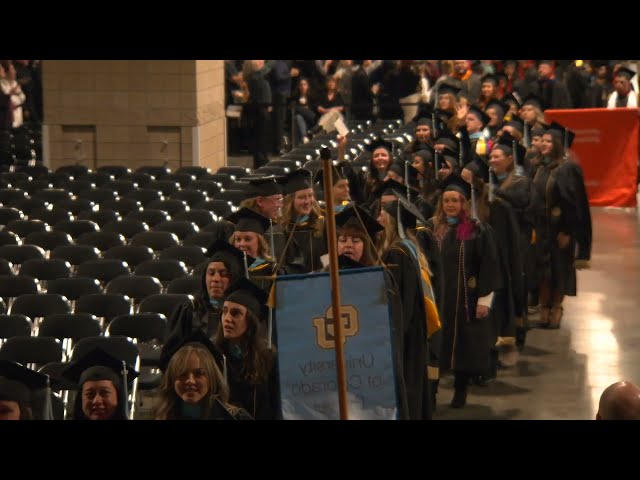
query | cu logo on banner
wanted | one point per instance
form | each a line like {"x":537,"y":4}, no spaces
{"x":325,"y":333}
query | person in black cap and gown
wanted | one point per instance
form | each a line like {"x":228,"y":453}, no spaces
{"x":225,"y":265}
{"x":102,"y":389}
{"x":302,"y":220}
{"x":241,"y":337}
{"x":24,"y":393}
{"x":264,"y":196}
{"x":564,"y":225}
{"x":470,"y":276}
{"x":194,"y":387}
{"x":397,"y":246}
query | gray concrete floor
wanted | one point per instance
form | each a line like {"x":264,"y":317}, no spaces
{"x":561,"y":373}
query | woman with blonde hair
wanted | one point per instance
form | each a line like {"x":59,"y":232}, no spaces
{"x":193,"y":388}
{"x":300,"y":236}
{"x":469,"y":278}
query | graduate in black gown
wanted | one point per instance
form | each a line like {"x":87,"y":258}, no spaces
{"x":502,"y":225}
{"x":470,"y":278}
{"x":564,"y":228}
{"x":242,"y":338}
{"x":399,"y":250}
{"x":301,"y":235}
{"x":516,"y":188}
{"x":225,"y":265}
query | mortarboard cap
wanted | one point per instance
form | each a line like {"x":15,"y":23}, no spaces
{"x":456,"y":183}
{"x":532,"y":99}
{"x":500,"y":107}
{"x":512,"y":98}
{"x":625,"y":72}
{"x":566,"y":135}
{"x":232,"y":257}
{"x":380,"y":143}
{"x":247,"y":220}
{"x":506,"y":142}
{"x":337,"y":174}
{"x":479,"y":168}
{"x":424,"y":121}
{"x":248,"y":294}
{"x":96,"y":365}
{"x":354,"y":216}
{"x":425,"y":152}
{"x":538,"y":131}
{"x":198,"y":336}
{"x":448,"y":139}
{"x":451,"y":156}
{"x":481,"y":115}
{"x":297,"y":180}
{"x":409,"y":213}
{"x":264,"y":187}
{"x":445,"y":87}
{"x":490,"y":78}
{"x":14,"y":391}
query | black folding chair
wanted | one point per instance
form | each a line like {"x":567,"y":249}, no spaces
{"x":171,"y":206}
{"x":191,"y":197}
{"x":136,"y":287}
{"x":76,"y":254}
{"x":150,"y":216}
{"x":74,"y":287}
{"x":163,"y":270}
{"x":191,"y":255}
{"x":22,"y":228}
{"x":202,"y":239}
{"x":155,"y":240}
{"x":104,"y":269}
{"x":15,"y":325}
{"x":132,"y":254}
{"x":101,"y":217}
{"x":189,"y":285}
{"x":164,"y":303}
{"x":8,"y":214}
{"x":128,"y":227}
{"x":31,"y":350}
{"x":48,"y":240}
{"x":75,"y":228}
{"x":103,"y":241}
{"x":17,"y":254}
{"x":103,"y":305}
{"x":182,"y":228}
{"x":46,"y":269}
{"x":199,"y":217}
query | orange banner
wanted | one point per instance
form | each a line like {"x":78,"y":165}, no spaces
{"x":606,"y":146}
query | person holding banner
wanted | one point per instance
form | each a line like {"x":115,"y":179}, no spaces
{"x":193,"y":387}
{"x":564,"y":224}
{"x":252,"y":375}
{"x":470,"y":277}
{"x":225,"y":265}
{"x":419,"y":316}
{"x":357,"y":231}
{"x":301,"y":237}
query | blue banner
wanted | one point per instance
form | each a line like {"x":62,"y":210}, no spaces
{"x":306,"y":353}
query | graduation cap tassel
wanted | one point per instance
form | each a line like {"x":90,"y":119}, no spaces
{"x":406,"y":180}
{"x":527,"y":135}
{"x":519,"y":169}
{"x":246,"y":266}
{"x":474,"y":212}
{"x":270,"y":327}
{"x":434,"y":130}
{"x":48,"y":407}
{"x":125,"y":389}
{"x":400,"y":227}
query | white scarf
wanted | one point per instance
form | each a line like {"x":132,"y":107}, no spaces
{"x":632,"y":100}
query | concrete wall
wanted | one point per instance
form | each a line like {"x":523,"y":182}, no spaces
{"x":134,"y":112}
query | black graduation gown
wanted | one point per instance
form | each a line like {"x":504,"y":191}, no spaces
{"x":466,"y":340}
{"x":508,"y":301}
{"x":410,"y":320}
{"x":261,"y":401}
{"x":185,"y":320}
{"x":566,"y":210}
{"x":525,"y":202}
{"x":304,"y":250}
